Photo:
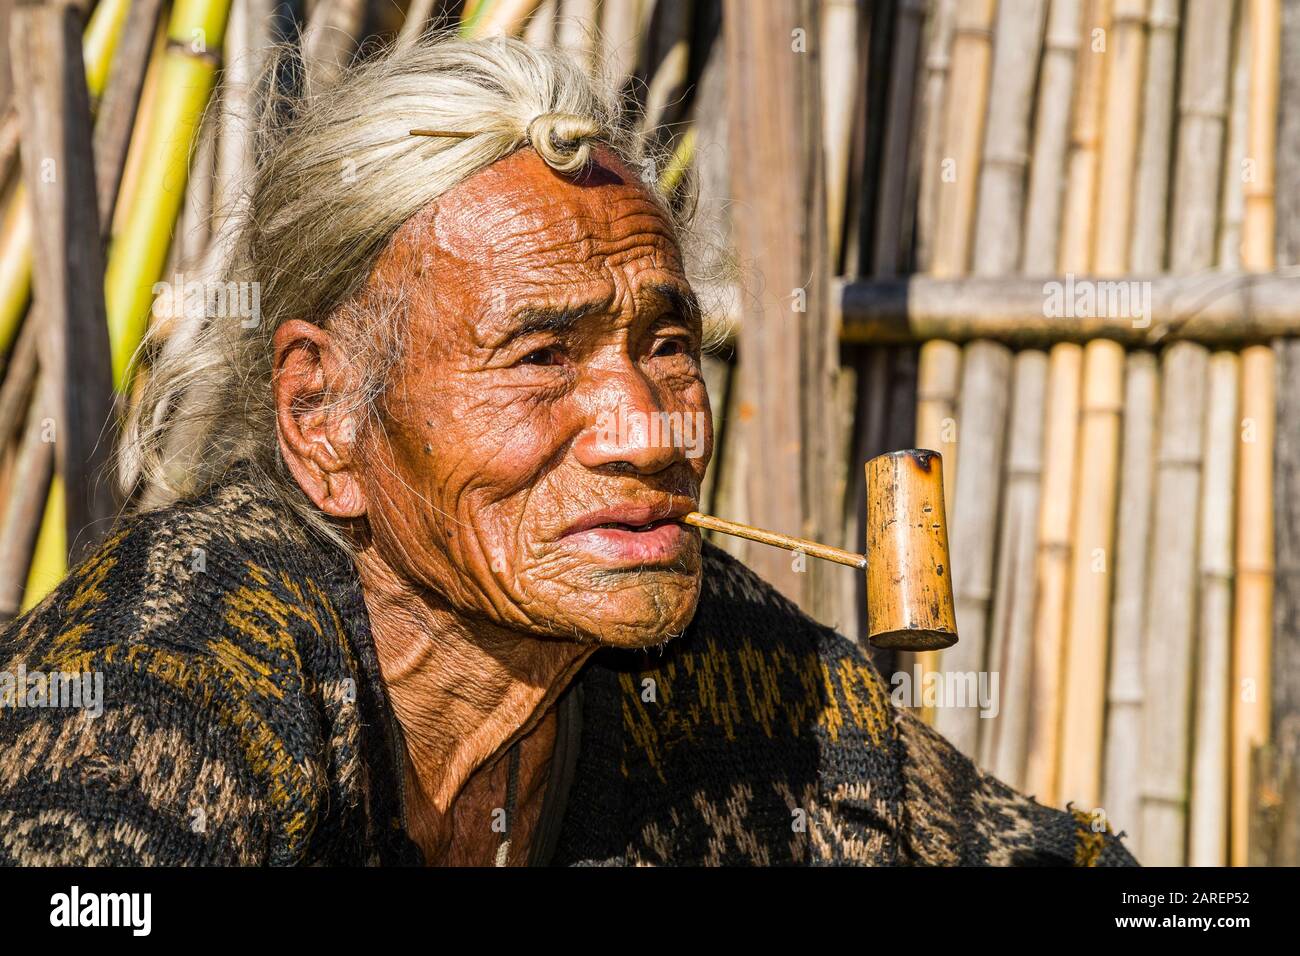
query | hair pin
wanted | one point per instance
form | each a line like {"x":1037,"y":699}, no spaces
{"x":454,"y":134}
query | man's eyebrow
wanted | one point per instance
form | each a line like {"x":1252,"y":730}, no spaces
{"x":531,"y":319}
{"x":540,"y":318}
{"x":678,"y":299}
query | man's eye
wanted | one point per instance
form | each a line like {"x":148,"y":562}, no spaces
{"x":670,"y":347}
{"x":547,"y":356}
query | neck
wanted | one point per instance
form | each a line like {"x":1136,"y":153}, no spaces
{"x":462,"y":691}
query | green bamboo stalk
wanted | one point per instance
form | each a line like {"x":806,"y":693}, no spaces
{"x":471,"y":16}
{"x":139,"y":253}
{"x":99,"y":43}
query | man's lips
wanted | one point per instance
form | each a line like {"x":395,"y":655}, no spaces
{"x":641,"y":534}
{"x":639,"y":517}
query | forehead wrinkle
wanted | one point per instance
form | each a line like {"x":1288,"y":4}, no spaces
{"x":512,"y":227}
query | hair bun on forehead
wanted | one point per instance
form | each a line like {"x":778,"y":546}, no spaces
{"x":563,"y":140}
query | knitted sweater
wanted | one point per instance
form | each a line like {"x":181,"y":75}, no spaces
{"x":243,"y":720}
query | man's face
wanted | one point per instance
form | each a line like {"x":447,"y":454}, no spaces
{"x":549,"y":421}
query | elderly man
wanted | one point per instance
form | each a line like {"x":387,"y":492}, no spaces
{"x":398,"y":592}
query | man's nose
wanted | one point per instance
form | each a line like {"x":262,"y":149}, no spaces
{"x":628,"y":427}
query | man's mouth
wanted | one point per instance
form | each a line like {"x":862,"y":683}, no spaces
{"x":621,"y":526}
{"x":634,"y":534}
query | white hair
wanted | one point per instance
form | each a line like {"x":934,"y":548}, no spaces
{"x":337,"y":172}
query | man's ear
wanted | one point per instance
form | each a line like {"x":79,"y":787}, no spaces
{"x":317,"y":432}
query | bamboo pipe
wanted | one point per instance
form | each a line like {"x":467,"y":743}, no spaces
{"x":909,"y":581}
{"x":789,"y":542}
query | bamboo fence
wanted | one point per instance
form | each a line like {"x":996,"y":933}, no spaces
{"x":1054,"y":240}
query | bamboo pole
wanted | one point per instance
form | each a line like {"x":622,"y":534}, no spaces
{"x":248,"y":39}
{"x":1123,"y":110}
{"x":1151,"y":189}
{"x":1051,"y":137}
{"x":839,"y":60}
{"x":986,"y":366}
{"x":1278,"y":794}
{"x":118,"y":105}
{"x":1286,"y":195}
{"x":1232,"y":204}
{"x":50,"y":555}
{"x":1253,"y":606}
{"x":986,"y":370}
{"x":29,"y":472}
{"x":140,"y":250}
{"x":20,"y":376}
{"x":194,"y":222}
{"x":505,"y":18}
{"x":788,"y":339}
{"x":621,"y":27}
{"x":897,"y":193}
{"x":1259,"y":223}
{"x":1208,"y":811}
{"x":329,"y":41}
{"x":415,"y":23}
{"x":576,"y":30}
{"x":937,"y":384}
{"x":1074,"y":253}
{"x":1252,"y":609}
{"x":540,"y":29}
{"x":35,"y":462}
{"x":1006,"y":145}
{"x":1121,"y":773}
{"x":130,"y":184}
{"x":1087,"y":622}
{"x":1068,"y":587}
{"x":1052,"y":566}
{"x":730,"y":491}
{"x":665,"y":71}
{"x":1171,"y":608}
{"x":1011,"y":634}
{"x":938,"y":57}
{"x":23,"y":507}
{"x":73,"y":345}
{"x":1213,"y":308}
{"x":99,"y":43}
{"x":963,"y":136}
{"x":870,"y":421}
{"x":717,"y":382}
{"x":963,"y":132}
{"x":1203,"y":105}
{"x":15,"y":262}
{"x":997,"y":251}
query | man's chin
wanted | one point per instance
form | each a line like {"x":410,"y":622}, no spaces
{"x":646,"y":619}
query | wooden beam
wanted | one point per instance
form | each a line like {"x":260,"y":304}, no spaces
{"x":1214,"y":308}
{"x":789,"y":351}
{"x":69,"y":266}
{"x":1275,"y":829}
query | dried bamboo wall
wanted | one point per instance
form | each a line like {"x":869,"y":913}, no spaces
{"x":1123,"y":506}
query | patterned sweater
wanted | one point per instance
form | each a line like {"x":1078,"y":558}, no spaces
{"x":242,"y":720}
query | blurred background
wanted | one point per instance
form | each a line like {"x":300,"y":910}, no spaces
{"x":1054,"y":240}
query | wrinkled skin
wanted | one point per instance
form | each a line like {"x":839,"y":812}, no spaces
{"x":496,"y":444}
{"x":542,"y":310}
